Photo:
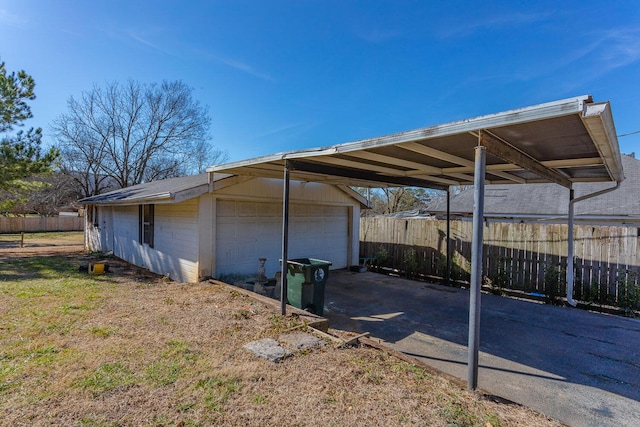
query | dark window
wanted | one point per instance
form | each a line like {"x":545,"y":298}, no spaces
{"x":146,"y":224}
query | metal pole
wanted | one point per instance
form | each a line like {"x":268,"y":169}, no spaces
{"x":285,"y":240}
{"x":476,"y":267}
{"x":448,"y":273}
{"x":569,"y":272}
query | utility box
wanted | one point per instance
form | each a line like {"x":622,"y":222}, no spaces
{"x":306,"y":279}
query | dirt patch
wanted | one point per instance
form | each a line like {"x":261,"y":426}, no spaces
{"x":40,"y":250}
{"x":132,"y":348}
{"x":16,"y":245}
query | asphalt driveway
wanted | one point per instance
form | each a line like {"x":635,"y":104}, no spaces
{"x":579,"y":367}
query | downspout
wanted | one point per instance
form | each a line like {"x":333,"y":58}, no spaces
{"x":572,"y":202}
{"x":448,"y":272}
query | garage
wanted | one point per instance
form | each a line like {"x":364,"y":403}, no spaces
{"x":202,"y":226}
{"x":250,"y":230}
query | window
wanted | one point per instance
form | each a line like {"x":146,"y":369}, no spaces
{"x":145,"y":213}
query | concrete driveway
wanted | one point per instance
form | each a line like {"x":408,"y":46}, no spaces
{"x":578,"y":367}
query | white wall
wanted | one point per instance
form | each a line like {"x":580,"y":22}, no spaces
{"x":175,"y":251}
{"x":185,"y":233}
{"x":323,"y":220}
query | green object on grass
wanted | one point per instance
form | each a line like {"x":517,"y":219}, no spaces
{"x":306,"y":279}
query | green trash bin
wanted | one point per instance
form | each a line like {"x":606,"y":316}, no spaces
{"x":306,"y":278}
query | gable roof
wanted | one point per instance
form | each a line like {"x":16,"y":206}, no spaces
{"x":552,"y":200}
{"x":170,"y":190}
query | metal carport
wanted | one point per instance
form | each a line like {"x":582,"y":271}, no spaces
{"x":564,"y":142}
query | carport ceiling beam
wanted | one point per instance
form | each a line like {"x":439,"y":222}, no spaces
{"x":511,"y":154}
{"x":361,"y":175}
{"x":441,"y":155}
{"x":417,"y":167}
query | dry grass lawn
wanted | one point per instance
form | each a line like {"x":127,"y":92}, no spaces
{"x":129,"y":349}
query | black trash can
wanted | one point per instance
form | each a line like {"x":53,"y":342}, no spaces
{"x":306,"y":279}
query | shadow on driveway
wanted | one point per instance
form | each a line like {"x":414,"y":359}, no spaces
{"x":579,"y":367}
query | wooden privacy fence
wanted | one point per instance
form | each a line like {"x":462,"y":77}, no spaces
{"x":34,"y":224}
{"x":527,"y":257}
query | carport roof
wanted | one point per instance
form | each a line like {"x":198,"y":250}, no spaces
{"x":566,"y":141}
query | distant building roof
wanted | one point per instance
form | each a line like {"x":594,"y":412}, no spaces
{"x":549,"y":201}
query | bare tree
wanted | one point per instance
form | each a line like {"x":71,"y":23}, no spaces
{"x":397,"y":199}
{"x":127,"y":134}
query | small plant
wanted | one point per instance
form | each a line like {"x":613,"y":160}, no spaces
{"x":503,"y":276}
{"x":259,"y":399}
{"x":410,"y":263}
{"x":594,"y":292}
{"x":382,"y":257}
{"x":628,"y":293}
{"x":457,"y":272}
{"x":554,"y":281}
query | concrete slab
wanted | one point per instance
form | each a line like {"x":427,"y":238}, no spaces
{"x":268,"y":348}
{"x":300,"y":341}
{"x":579,"y":367}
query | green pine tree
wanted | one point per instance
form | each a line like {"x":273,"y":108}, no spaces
{"x":21,"y":156}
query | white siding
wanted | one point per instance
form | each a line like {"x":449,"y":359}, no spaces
{"x":227,"y":231}
{"x":175,"y":251}
{"x":106,"y":228}
{"x":247,"y":231}
{"x":125,"y":235}
{"x":268,"y":189}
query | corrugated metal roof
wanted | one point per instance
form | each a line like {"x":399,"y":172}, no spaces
{"x":566,"y":141}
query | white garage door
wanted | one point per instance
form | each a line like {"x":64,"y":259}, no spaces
{"x":246,"y":231}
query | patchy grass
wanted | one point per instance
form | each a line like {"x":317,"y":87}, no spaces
{"x":129,"y":348}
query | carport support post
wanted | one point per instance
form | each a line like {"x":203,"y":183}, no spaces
{"x":285,"y":240}
{"x":569,"y":272}
{"x":476,"y":267}
{"x":447,"y":279}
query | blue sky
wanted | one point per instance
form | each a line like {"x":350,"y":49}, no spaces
{"x":286,"y":75}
